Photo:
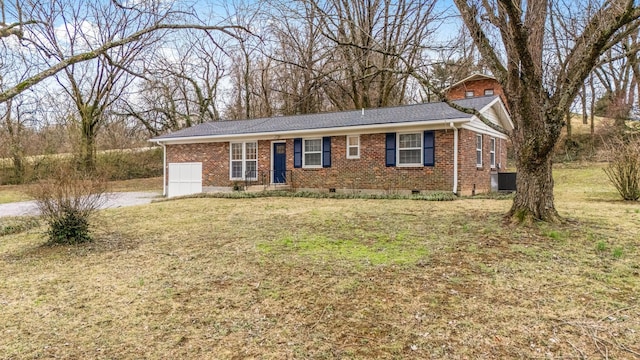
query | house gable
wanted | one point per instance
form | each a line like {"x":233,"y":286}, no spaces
{"x":496,"y":113}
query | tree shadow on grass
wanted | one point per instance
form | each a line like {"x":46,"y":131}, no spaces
{"x":103,"y":242}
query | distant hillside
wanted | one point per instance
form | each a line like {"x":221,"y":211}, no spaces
{"x":583,"y":146}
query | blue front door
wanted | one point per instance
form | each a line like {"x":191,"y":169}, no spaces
{"x":279,"y":163}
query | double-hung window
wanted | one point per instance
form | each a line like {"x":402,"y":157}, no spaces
{"x":479,"y":151}
{"x":492,"y":153}
{"x":244,"y":161}
{"x":353,"y":147}
{"x":312,"y":153}
{"x":410,"y":149}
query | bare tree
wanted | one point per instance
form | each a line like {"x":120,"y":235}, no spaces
{"x":537,"y":98}
{"x":92,"y":48}
{"x":25,"y":23}
{"x":21,"y":121}
{"x":329,"y":55}
{"x":301,"y":57}
{"x":376,"y":43}
{"x":19,"y":114}
{"x":245,"y":57}
{"x":180,"y":85}
{"x":92,"y":85}
{"x":618,"y":74}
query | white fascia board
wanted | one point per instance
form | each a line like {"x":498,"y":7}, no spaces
{"x":343,"y":130}
{"x":476,"y":125}
{"x":501,"y":111}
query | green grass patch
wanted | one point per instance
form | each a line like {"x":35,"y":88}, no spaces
{"x":617,"y":252}
{"x":494,"y":196}
{"x":377,"y":249}
{"x":10,"y":226}
{"x":9,"y":194}
{"x":601,"y":246}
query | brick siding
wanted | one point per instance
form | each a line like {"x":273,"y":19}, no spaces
{"x":366,"y":173}
{"x":478,"y":87}
{"x":370,"y":171}
{"x":478,"y":179}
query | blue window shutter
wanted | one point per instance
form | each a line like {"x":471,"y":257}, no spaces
{"x":326,"y":151}
{"x":297,"y":153}
{"x":391,"y":149}
{"x":429,"y":148}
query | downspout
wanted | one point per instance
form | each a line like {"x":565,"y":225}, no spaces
{"x":455,"y":158}
{"x":164,"y":168}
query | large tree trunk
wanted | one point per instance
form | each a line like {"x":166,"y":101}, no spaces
{"x":19,"y":170}
{"x":534,"y":198}
{"x":16,"y":150}
{"x":534,"y":138}
{"x":87,"y":161}
{"x":568,"y":123}
{"x":592,"y":108}
{"x":583,"y":100}
{"x":537,"y":92}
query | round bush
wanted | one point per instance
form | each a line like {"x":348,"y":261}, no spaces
{"x":70,"y":228}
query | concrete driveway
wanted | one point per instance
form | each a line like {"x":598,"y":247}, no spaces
{"x":114,"y":200}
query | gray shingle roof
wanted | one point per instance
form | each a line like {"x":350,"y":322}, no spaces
{"x":390,"y":115}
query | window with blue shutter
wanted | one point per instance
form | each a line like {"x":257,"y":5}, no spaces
{"x":297,"y":153}
{"x":326,"y":151}
{"x":429,"y":148}
{"x":390,"y":156}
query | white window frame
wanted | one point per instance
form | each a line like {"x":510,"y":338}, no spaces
{"x":479,"y":150}
{"x":398,"y":149}
{"x":492,"y":152}
{"x":489,"y":92}
{"x":244,"y":160}
{"x":357,"y":147}
{"x":469,"y":93}
{"x":304,"y":152}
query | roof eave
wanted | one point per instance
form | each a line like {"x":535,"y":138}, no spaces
{"x":444,"y":123}
{"x":503,"y":109}
{"x":468,"y":78}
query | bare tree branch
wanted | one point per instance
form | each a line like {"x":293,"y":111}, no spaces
{"x":62,"y":64}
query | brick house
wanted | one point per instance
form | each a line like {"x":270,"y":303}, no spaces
{"x":403,"y":149}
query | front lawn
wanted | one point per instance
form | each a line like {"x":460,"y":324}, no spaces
{"x":275,"y":278}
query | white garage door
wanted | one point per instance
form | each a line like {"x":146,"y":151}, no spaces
{"x":185,"y":179}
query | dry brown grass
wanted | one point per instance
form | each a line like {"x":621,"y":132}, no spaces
{"x":148,"y":184}
{"x":276,"y":278}
{"x":13,"y":193}
{"x":577,"y":127}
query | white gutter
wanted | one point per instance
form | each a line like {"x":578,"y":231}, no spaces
{"x":455,"y":157}
{"x":479,"y":127}
{"x":164,"y":167}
